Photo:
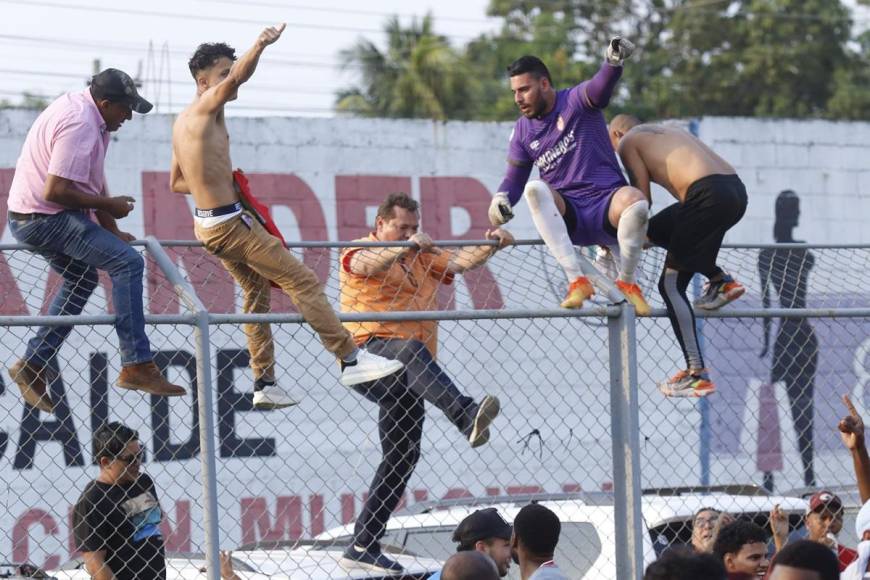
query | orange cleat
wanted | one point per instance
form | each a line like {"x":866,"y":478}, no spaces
{"x":579,"y":291}
{"x":688,"y":384}
{"x":635,"y":296}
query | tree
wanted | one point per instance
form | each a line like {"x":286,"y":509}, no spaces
{"x":419,"y":75}
{"x":695,"y":57}
{"x":851,"y":98}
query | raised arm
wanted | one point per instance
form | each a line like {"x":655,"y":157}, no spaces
{"x":216,"y":97}
{"x":598,"y":90}
{"x":852,"y":432}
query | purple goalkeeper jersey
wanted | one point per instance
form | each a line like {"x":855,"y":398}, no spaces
{"x":570,"y":146}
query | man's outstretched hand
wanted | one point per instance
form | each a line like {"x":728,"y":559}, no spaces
{"x":271,"y":34}
{"x":851,"y":426}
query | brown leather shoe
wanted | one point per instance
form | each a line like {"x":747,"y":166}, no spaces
{"x":31,"y":380}
{"x":147,"y":377}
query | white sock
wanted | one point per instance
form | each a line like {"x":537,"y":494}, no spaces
{"x":631,"y":233}
{"x":552,"y":228}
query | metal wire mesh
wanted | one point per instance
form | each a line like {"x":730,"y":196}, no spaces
{"x":286,"y":477}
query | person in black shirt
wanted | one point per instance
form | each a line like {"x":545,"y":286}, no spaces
{"x":116,"y":521}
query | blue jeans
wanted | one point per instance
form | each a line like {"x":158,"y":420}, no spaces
{"x":75,"y":248}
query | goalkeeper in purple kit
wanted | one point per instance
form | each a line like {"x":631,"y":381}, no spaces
{"x":582,"y":197}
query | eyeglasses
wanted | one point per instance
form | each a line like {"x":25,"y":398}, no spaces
{"x":132,"y":457}
{"x":711,"y":521}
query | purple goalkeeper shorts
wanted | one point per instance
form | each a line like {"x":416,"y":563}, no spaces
{"x":586,"y":218}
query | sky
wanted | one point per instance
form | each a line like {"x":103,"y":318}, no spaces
{"x":50,"y":45}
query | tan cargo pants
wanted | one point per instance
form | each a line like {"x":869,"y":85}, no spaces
{"x":254,"y":257}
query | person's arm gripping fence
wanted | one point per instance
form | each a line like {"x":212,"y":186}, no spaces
{"x":470,"y":257}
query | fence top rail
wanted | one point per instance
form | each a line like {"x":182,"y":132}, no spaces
{"x":428,"y":315}
{"x":460,"y":243}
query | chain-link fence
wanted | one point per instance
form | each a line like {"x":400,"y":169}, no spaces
{"x":582,"y":424}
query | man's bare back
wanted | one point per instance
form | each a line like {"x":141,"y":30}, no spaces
{"x":674,"y":158}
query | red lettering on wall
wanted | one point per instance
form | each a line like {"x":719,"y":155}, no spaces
{"x":279,"y":189}
{"x":178,"y":539}
{"x":438,"y":195}
{"x":315,"y":514}
{"x":167,"y":217}
{"x":348,"y":508}
{"x":257,"y":524}
{"x":21,"y":536}
{"x":572,"y":488}
{"x":523,"y":489}
{"x":11,"y":301}
{"x":354,"y":194}
{"x":456,"y":493}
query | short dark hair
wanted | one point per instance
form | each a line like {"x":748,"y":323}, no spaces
{"x":207,"y":54}
{"x":387,"y":210}
{"x":684,"y":564}
{"x":111,"y":438}
{"x":809,"y":555}
{"x":537,"y":528}
{"x":735,"y":535}
{"x":471,"y":565}
{"x":705,"y":509}
{"x":529,"y":64}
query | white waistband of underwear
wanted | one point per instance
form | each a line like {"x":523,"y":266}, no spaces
{"x":210,"y":222}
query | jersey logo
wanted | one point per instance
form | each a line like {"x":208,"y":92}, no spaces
{"x":534,"y":145}
{"x":560,"y":123}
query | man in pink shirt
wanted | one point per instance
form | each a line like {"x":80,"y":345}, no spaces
{"x":59,"y":186}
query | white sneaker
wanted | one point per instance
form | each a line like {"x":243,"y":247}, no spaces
{"x":367,"y":367}
{"x":273,"y":397}
{"x":486,"y":412}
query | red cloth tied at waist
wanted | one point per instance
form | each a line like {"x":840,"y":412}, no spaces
{"x":253,"y":205}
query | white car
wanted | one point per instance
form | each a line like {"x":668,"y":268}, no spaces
{"x":274,"y":561}
{"x":586,"y":545}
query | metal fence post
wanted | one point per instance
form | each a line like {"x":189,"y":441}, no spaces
{"x":205,"y":403}
{"x":624,"y":427}
{"x":208,"y":451}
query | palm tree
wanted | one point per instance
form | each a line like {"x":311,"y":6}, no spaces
{"x":419,"y":75}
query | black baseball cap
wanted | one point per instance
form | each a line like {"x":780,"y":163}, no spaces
{"x":481,"y":525}
{"x":117,"y":86}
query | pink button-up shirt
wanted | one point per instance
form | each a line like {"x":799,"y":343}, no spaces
{"x":69,"y":140}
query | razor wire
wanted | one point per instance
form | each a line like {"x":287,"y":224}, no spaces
{"x":291,"y":482}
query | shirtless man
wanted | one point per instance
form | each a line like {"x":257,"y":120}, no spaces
{"x":201,"y":167}
{"x":711,"y":200}
{"x":582,"y":198}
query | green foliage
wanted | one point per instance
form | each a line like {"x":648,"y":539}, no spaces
{"x":419,"y":75}
{"x":772,"y":58}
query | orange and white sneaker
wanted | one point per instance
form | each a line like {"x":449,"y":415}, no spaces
{"x":579,"y":291}
{"x":718,"y":294}
{"x":635,"y":296}
{"x":695,"y":383}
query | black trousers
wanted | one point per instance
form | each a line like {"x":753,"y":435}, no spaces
{"x":400,"y":399}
